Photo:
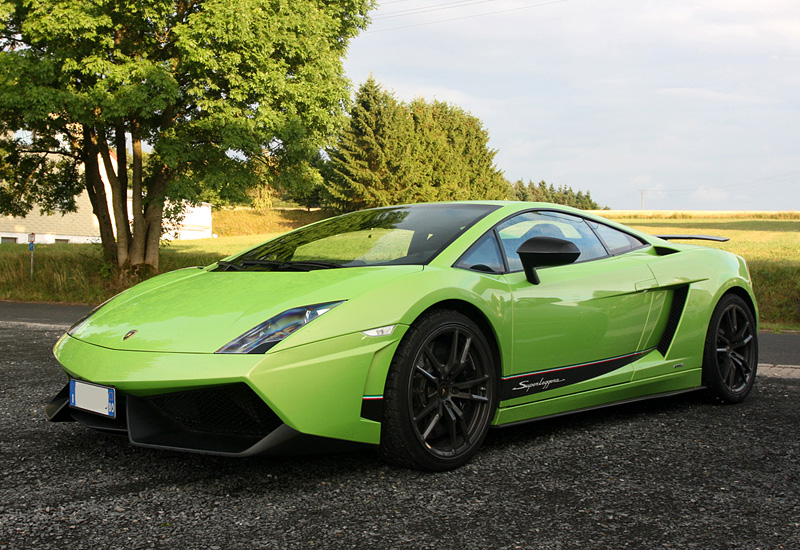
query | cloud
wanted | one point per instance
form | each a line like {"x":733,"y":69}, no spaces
{"x":612,"y":96}
{"x":710,"y":195}
{"x":705,"y":94}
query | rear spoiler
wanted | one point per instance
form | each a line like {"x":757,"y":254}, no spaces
{"x":693,"y":238}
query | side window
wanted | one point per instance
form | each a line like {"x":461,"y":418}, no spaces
{"x":617,"y":242}
{"x":515,"y":231}
{"x":484,"y":256}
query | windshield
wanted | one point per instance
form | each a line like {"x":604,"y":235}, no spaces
{"x":396,"y":235}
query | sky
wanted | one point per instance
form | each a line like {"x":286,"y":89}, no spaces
{"x":674,"y":104}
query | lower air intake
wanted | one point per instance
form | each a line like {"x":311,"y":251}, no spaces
{"x":220,"y":419}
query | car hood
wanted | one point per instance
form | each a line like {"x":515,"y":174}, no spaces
{"x":199,"y":311}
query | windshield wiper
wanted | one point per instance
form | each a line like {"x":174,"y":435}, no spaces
{"x":226,"y":266}
{"x":299,"y":265}
{"x":313,"y":264}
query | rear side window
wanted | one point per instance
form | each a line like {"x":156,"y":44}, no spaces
{"x":617,"y":242}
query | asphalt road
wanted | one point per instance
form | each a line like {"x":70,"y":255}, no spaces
{"x":668,"y":473}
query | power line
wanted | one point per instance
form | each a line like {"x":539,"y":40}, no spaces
{"x":436,"y":7}
{"x":762,"y":181}
{"x":673,"y":192}
{"x":469,"y":16}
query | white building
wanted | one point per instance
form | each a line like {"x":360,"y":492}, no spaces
{"x":82,"y":226}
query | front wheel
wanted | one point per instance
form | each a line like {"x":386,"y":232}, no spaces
{"x":441,"y":393}
{"x":730,"y":358}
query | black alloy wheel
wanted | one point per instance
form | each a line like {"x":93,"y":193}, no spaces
{"x":731,"y":355}
{"x":440,"y":394}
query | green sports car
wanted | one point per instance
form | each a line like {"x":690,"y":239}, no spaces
{"x":412,"y":328}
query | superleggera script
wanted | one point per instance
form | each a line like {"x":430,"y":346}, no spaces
{"x":543,"y":384}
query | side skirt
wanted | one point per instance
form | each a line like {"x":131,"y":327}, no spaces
{"x":638,"y":390}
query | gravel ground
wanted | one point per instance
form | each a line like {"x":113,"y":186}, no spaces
{"x":668,"y":473}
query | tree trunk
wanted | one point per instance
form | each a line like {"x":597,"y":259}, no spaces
{"x":119,"y":201}
{"x":122,"y":174}
{"x":139,"y":241}
{"x":97,"y":195}
{"x":154,"y":214}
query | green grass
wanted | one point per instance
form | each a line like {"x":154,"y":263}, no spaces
{"x":246,"y":221}
{"x":76,"y":273}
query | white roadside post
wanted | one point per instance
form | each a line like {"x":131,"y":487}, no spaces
{"x":31,"y":240}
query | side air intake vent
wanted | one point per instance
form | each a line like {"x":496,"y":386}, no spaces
{"x":675,"y":313}
{"x":665,"y":251}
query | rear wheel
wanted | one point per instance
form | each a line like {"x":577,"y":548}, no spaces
{"x":441,"y":393}
{"x":731,"y":352}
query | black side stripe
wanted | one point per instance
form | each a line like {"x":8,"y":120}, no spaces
{"x":675,"y":313}
{"x":521,"y":385}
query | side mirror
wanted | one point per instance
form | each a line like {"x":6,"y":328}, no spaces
{"x":544,"y":252}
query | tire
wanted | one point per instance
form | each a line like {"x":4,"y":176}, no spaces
{"x":730,"y":358}
{"x":440,"y":395}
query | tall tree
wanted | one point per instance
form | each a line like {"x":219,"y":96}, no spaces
{"x":368,"y":165}
{"x":451,"y":157}
{"x":392,"y":152}
{"x":214,"y":88}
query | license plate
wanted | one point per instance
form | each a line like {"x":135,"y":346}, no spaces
{"x":93,"y":397}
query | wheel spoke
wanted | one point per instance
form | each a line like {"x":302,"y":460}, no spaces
{"x":471,"y":397}
{"x":433,"y":361}
{"x":739,"y":336}
{"x":462,"y":423}
{"x":451,"y":428}
{"x":730,"y":376}
{"x":431,"y":426}
{"x":451,"y":360}
{"x":427,"y":410}
{"x":732,"y":324}
{"x":427,"y":375}
{"x":725,"y":368}
{"x":462,"y":360}
{"x":466,"y":384}
{"x":742,"y":342}
{"x":742,"y":365}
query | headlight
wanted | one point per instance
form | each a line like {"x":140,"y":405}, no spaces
{"x":261,"y":338}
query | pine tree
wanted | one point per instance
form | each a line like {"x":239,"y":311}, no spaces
{"x":393,"y":153}
{"x":368,"y":161}
{"x":544,"y":192}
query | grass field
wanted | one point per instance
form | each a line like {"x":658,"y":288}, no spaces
{"x":246,"y":221}
{"x":770,"y":242}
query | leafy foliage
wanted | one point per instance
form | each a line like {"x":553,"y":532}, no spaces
{"x":542,"y":192}
{"x":216,"y":88}
{"x":393,"y":153}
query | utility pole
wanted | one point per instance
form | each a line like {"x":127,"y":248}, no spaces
{"x":642,"y":192}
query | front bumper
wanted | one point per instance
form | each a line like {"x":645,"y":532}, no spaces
{"x":234,"y":404}
{"x":228,"y":420}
